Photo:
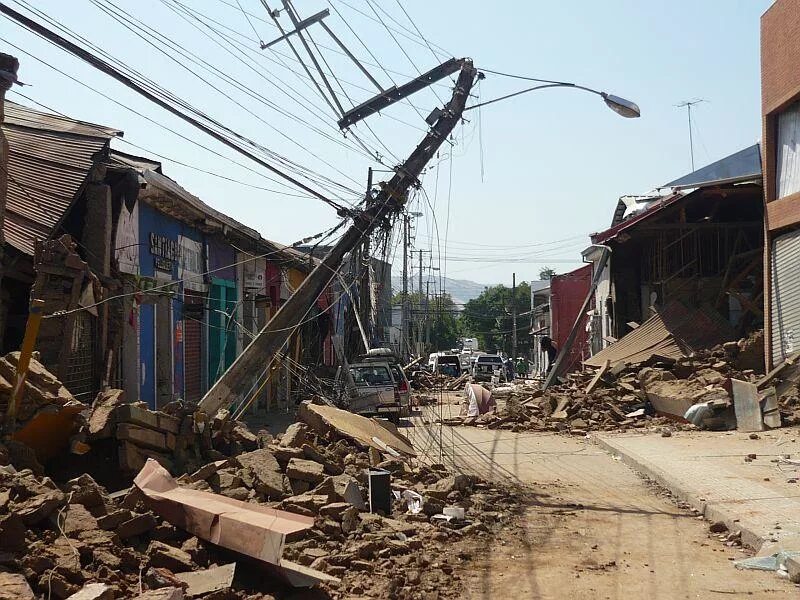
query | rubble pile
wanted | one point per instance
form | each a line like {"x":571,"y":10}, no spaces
{"x":632,"y":396}
{"x":180,"y":437}
{"x":56,"y":541}
{"x":425,"y":381}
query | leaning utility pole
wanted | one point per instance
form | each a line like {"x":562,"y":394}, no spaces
{"x":236,"y":383}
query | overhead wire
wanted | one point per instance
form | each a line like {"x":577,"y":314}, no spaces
{"x":279,"y":56}
{"x":403,"y":50}
{"x":173,"y":159}
{"x":370,"y":153}
{"x":150,"y":119}
{"x":412,"y":37}
{"x":167,"y":100}
{"x":217,"y":72}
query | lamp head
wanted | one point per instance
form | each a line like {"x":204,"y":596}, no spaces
{"x":621,"y":106}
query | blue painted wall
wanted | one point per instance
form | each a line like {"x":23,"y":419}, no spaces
{"x":152,"y":221}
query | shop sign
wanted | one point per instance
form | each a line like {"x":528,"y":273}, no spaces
{"x":164,"y":250}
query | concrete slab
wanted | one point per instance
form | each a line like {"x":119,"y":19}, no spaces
{"x":711,"y":472}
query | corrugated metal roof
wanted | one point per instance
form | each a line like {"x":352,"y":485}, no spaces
{"x":50,"y":157}
{"x":674,"y":332}
{"x":744,"y":165}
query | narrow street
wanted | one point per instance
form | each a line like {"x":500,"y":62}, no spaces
{"x":593,"y":529}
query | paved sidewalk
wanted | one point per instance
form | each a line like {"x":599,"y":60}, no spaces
{"x":708,"y":470}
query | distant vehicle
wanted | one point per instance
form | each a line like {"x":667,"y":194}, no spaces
{"x":488,"y":365}
{"x":432,"y":360}
{"x":469,"y":344}
{"x":381,"y":387}
{"x":448,"y":364}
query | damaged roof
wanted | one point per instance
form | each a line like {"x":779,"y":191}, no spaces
{"x":744,"y":165}
{"x":50,"y":159}
{"x":162,"y":192}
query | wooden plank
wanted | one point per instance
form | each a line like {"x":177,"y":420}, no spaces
{"x":777,"y":370}
{"x":596,"y":379}
{"x":746,"y":406}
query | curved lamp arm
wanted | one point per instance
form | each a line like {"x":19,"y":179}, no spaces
{"x":621,"y":106}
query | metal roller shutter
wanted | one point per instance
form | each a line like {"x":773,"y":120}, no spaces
{"x":785,"y":309}
{"x":193,"y":346}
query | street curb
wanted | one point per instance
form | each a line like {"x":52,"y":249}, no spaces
{"x":751,"y":536}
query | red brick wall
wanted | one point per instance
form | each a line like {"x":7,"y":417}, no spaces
{"x":780,"y":86}
{"x":780,"y":80}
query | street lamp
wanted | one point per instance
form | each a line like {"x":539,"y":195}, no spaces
{"x":621,"y":106}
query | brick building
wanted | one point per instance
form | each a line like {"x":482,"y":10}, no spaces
{"x":780,"y":107}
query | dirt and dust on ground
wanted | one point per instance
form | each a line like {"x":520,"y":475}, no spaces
{"x":72,"y":525}
{"x":592,"y":527}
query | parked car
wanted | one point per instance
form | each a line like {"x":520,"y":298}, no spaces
{"x":380,"y":386}
{"x":449,"y":364}
{"x":487,"y":365}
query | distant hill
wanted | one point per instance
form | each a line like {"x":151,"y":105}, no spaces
{"x":461,"y":290}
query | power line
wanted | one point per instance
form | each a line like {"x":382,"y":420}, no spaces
{"x":193,"y":57}
{"x":143,"y":116}
{"x":150,"y":84}
{"x":175,"y":160}
{"x":108,"y":69}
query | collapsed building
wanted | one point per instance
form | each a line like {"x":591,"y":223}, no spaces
{"x":701,"y":244}
{"x":157,"y":292}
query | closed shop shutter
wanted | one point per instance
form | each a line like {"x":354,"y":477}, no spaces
{"x":193,"y":346}
{"x":785,"y":307}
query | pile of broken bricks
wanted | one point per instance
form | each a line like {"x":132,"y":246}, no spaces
{"x":179,"y":436}
{"x":159,"y":539}
{"x":638,"y":396}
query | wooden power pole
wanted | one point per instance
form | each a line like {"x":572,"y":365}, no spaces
{"x":237,"y":381}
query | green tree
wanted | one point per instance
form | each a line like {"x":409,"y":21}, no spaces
{"x":436,"y":319}
{"x":546,"y":273}
{"x":488,"y":318}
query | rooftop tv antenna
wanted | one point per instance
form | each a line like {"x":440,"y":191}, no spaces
{"x":688,"y":104}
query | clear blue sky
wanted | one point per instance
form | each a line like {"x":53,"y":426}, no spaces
{"x":528,"y":179}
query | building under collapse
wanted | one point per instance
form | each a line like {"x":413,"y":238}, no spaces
{"x":146,"y":287}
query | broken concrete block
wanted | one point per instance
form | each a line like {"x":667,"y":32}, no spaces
{"x":12,"y":533}
{"x":40,"y":506}
{"x":158,"y":577}
{"x":446,"y":485}
{"x":208,"y":581}
{"x":94,"y":591}
{"x":128,"y":413}
{"x":266,"y":472}
{"x":136,"y":526}
{"x":14,"y":587}
{"x":208,"y":470}
{"x":167,"y":593}
{"x":167,"y":557}
{"x":101,"y":421}
{"x":85,"y":490}
{"x":792,"y":564}
{"x":114,"y":519}
{"x":141,"y":436}
{"x":335,"y":510}
{"x":73,"y":519}
{"x":295,"y":436}
{"x":133,"y":458}
{"x":305,"y":470}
